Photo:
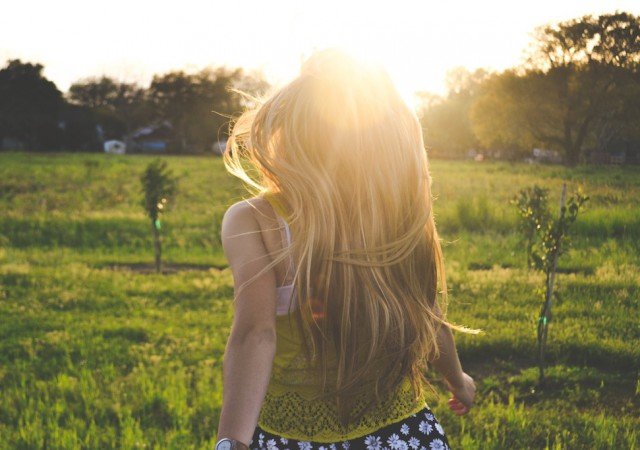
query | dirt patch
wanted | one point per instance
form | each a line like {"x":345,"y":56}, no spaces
{"x":168,"y":268}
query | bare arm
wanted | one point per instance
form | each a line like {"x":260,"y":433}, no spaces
{"x":251,"y":347}
{"x":448,"y":365}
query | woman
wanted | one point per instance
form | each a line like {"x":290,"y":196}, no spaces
{"x":337,"y":269}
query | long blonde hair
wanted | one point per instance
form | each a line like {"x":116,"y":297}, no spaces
{"x":345,"y":156}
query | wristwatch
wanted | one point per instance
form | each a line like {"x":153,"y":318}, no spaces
{"x":230,"y":444}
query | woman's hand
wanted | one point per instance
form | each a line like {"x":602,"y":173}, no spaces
{"x":463,"y":395}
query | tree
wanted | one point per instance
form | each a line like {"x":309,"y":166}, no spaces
{"x":158,"y":186}
{"x":581,"y":76}
{"x":610,"y":39}
{"x":594,"y":62}
{"x":94,"y":92}
{"x":546,"y":239}
{"x":80,"y":130}
{"x":199,"y":105}
{"x":30,"y":106}
{"x":446,"y":124}
{"x":118,"y":107}
{"x":505,"y":108}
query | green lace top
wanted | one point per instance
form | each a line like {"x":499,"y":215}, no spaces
{"x":290,"y":408}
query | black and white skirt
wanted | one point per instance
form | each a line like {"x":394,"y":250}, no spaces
{"x":419,"y":431}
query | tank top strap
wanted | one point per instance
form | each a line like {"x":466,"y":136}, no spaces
{"x":280,"y":213}
{"x":287,"y":231}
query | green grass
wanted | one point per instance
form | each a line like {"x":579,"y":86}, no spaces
{"x":95,"y":355}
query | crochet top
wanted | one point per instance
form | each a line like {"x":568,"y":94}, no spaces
{"x":291,"y":409}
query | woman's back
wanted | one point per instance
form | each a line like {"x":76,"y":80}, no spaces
{"x":292,"y":407}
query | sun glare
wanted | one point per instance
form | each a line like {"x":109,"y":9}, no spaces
{"x":379,"y":34}
{"x":374,"y":56}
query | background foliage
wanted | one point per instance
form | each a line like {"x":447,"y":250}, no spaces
{"x":577,"y":93}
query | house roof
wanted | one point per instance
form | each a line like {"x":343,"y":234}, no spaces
{"x":159,"y":130}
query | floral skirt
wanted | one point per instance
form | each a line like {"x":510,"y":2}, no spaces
{"x":419,"y":431}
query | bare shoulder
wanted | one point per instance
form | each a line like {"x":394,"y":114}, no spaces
{"x":243,"y":242}
{"x":244,"y":216}
{"x":248,"y":210}
{"x":237,"y":218}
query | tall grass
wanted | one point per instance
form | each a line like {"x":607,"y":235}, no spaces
{"x":96,"y":355}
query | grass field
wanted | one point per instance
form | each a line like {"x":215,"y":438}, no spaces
{"x":96,"y":355}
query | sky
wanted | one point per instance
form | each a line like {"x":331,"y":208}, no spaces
{"x":417,"y":41}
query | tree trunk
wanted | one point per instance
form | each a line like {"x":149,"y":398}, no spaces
{"x":545,"y":314}
{"x":573,"y":154}
{"x":542,"y":332}
{"x":568,"y":142}
{"x":157,"y":246}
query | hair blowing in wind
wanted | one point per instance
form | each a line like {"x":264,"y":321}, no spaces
{"x":344,"y":155}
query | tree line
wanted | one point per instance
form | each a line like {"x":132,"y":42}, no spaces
{"x":578,"y":93}
{"x":36,"y":115}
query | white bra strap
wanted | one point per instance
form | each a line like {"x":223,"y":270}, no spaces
{"x":287,"y":232}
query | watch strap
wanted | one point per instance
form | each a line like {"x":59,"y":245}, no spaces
{"x":235,"y":444}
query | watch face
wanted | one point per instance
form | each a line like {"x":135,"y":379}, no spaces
{"x":225,"y":444}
